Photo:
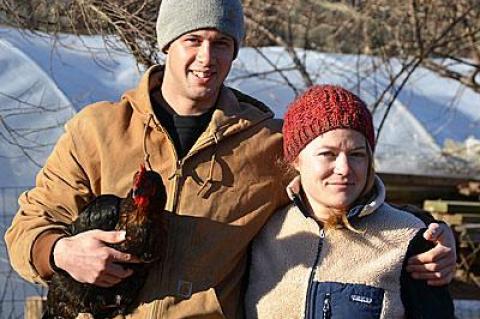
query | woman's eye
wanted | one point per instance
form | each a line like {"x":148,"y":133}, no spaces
{"x":326,"y":154}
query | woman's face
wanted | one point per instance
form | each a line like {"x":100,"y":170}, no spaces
{"x":333,"y":169}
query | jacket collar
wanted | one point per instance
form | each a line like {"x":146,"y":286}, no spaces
{"x":139,"y":98}
{"x":358,"y":211}
{"x":234,"y":111}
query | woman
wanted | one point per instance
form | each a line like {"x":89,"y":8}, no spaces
{"x":339,"y":251}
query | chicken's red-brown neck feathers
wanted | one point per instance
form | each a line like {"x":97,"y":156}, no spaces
{"x":141,"y":201}
{"x":141,"y":187}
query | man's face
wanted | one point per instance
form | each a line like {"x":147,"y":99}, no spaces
{"x":197,"y":63}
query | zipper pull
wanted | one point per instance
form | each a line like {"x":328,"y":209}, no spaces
{"x":326,"y":307}
{"x":322,"y":233}
{"x":178,"y":171}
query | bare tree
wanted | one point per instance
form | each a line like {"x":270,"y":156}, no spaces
{"x":16,"y":130}
{"x":440,"y":35}
{"x":440,"y":32}
{"x":132,"y":21}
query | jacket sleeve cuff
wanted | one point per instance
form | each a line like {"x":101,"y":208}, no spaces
{"x":42,"y":253}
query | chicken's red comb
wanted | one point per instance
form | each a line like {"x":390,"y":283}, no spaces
{"x":140,"y":174}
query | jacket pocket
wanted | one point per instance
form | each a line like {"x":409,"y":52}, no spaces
{"x":202,"y":304}
{"x":335,"y":300}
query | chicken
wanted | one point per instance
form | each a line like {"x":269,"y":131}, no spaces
{"x":140,"y":214}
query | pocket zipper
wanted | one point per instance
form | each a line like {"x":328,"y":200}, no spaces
{"x":309,"y":306}
{"x":326,"y":307}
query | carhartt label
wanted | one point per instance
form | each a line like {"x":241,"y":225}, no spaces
{"x":184,"y":289}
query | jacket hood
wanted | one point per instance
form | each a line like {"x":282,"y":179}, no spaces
{"x":234,"y":111}
{"x":358,"y":211}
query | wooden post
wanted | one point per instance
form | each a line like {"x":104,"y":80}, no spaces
{"x":34,"y":307}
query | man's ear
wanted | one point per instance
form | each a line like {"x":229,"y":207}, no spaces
{"x":165,"y":51}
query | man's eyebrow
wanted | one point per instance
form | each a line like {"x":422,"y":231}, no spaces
{"x":224,"y":37}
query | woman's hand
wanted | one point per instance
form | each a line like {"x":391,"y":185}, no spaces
{"x":436,"y":265}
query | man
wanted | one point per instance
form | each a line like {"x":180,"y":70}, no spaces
{"x":214,"y":148}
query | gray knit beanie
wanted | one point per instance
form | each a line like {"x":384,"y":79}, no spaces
{"x":177,"y":17}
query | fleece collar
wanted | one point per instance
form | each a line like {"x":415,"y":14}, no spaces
{"x":358,"y":211}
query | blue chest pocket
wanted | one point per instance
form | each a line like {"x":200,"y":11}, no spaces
{"x":333,"y":300}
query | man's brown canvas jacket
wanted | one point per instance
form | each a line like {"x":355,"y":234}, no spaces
{"x":219,"y":196}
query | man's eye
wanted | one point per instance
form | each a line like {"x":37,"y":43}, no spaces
{"x":223,"y":43}
{"x":358,"y":154}
{"x":192,"y":40}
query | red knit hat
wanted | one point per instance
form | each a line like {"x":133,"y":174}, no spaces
{"x":320,"y":109}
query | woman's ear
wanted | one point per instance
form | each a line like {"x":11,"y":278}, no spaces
{"x":294,"y":187}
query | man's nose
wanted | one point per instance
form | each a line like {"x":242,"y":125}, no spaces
{"x":205,"y":53}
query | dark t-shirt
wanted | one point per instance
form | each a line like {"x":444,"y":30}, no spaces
{"x":184,"y":130}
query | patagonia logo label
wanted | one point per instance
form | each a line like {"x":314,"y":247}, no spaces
{"x":362,"y":299}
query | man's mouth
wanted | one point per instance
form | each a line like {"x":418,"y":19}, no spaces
{"x":202,"y":74}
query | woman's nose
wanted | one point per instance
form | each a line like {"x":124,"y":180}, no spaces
{"x":342,"y":166}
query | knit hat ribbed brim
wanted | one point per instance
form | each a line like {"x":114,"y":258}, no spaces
{"x":320,"y":109}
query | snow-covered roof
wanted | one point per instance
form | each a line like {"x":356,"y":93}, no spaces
{"x":428,"y":112}
{"x":44,"y":85}
{"x":77,"y":71}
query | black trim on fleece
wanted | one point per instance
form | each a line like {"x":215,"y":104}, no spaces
{"x":419,"y":299}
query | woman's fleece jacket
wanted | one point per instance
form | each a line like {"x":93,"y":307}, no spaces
{"x":219,"y":196}
{"x":299,"y":270}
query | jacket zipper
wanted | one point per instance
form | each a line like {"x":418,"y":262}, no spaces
{"x":176,"y":185}
{"x":309,"y":307}
{"x":176,"y":182}
{"x":326,"y":307}
{"x":177,"y":176}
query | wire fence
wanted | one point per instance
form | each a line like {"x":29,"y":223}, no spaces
{"x":13,"y":289}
